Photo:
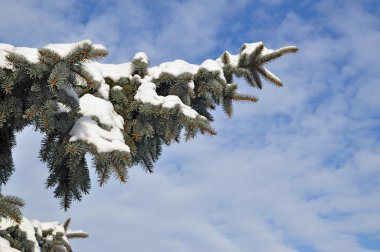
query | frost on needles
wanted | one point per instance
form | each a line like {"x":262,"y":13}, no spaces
{"x":121,"y":114}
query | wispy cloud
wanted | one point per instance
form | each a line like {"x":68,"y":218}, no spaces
{"x":298,"y":171}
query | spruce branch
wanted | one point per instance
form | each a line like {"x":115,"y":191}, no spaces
{"x":59,"y":75}
{"x":121,"y":114}
{"x":66,"y":224}
{"x":84,"y":52}
{"x":10,"y":207}
{"x":48,"y":56}
{"x":225,"y":58}
{"x":76,"y":235}
{"x":269,"y":76}
{"x":244,"y":97}
{"x":277,"y":54}
{"x":18,"y":61}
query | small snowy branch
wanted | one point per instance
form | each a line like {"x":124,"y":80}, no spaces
{"x":42,"y":235}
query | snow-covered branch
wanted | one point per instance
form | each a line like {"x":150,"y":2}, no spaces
{"x":120,"y":113}
{"x":36,"y":236}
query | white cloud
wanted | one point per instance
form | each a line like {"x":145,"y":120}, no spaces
{"x":300,"y":167}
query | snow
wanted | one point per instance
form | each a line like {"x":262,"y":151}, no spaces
{"x":117,"y":88}
{"x":64,"y":49}
{"x":6,"y":47}
{"x":104,"y":90}
{"x":179,"y":67}
{"x":30,"y":227}
{"x":88,"y":130}
{"x":191,"y":85}
{"x":103,"y":110}
{"x":38,"y":226}
{"x":175,"y":68}
{"x":69,"y":231}
{"x":249,"y":48}
{"x":266,"y":51}
{"x":27,"y":227}
{"x":3,"y":54}
{"x":31,"y":54}
{"x":112,"y":71}
{"x":234,"y":59}
{"x":5,"y":246}
{"x":54,"y":226}
{"x":94,"y":69}
{"x":213,"y":65}
{"x":146,"y":93}
{"x":141,"y":56}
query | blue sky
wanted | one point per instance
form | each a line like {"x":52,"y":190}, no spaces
{"x":298,"y":171}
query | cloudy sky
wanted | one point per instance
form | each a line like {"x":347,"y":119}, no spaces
{"x":298,"y":171}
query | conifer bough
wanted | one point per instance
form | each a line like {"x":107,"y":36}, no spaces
{"x":119,"y":113}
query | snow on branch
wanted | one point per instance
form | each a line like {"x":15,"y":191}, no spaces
{"x":87,"y":129}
